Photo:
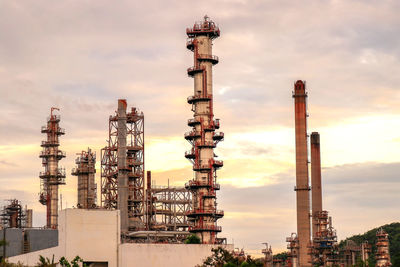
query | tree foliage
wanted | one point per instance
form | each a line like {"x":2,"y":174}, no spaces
{"x":192,"y":239}
{"x":45,"y":262}
{"x":223,"y":258}
{"x":74,"y":263}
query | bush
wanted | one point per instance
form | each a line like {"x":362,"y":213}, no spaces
{"x":192,"y":239}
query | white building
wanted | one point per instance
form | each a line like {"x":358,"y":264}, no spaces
{"x":94,"y":235}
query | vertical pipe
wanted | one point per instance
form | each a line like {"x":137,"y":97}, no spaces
{"x":149,"y":204}
{"x":91,"y":193}
{"x":316,"y":191}
{"x":122,"y":168}
{"x":29,"y":213}
{"x":302,"y":182}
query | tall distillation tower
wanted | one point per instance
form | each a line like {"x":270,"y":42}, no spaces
{"x":382,"y":255}
{"x":52,"y":176}
{"x":203,"y":137}
{"x":302,"y":182}
{"x":85,"y":170}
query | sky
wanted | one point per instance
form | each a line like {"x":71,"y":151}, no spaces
{"x":81,"y":56}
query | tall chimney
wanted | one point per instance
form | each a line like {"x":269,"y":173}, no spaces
{"x":316,"y":191}
{"x":302,"y":184}
{"x":122,"y":166}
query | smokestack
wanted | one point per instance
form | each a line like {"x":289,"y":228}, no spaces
{"x":302,"y":184}
{"x":316,"y":191}
{"x":122,"y":166}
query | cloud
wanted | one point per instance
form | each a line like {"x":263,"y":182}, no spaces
{"x":81,"y":56}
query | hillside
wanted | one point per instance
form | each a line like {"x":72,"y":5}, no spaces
{"x":393,"y":230}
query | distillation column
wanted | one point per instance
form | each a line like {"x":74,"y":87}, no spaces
{"x":302,"y":183}
{"x":52,"y":176}
{"x":203,"y":137}
{"x":382,"y":255}
{"x":85,"y":170}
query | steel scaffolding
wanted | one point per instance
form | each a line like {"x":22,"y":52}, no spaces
{"x":14,"y":216}
{"x":170,"y":207}
{"x":134,"y":164}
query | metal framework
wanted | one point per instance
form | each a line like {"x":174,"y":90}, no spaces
{"x":365,"y":251}
{"x":382,"y":255}
{"x":85,"y":170}
{"x":348,"y":254}
{"x":170,"y":206}
{"x":293,"y":247}
{"x":324,"y":249}
{"x":14,"y":216}
{"x":202,"y":137}
{"x":135,"y":164}
{"x":268,"y":258}
{"x":52,"y":176}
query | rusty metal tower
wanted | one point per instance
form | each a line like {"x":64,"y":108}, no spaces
{"x":14,"y":216}
{"x":324,"y":249}
{"x":302,"y":181}
{"x":382,"y":255}
{"x":126,"y":136}
{"x":203,"y":137}
{"x":268,"y":257}
{"x":85,"y":170}
{"x":53,"y":175}
{"x":365,"y":251}
{"x":293,"y":247}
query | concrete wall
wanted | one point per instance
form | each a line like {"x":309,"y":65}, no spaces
{"x":155,"y":255}
{"x":94,"y":235}
{"x":91,"y":234}
{"x":39,"y":239}
{"x":32,"y":258}
{"x":14,"y":239}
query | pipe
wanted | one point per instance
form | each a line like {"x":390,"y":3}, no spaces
{"x":122,"y":166}
{"x":149,"y":201}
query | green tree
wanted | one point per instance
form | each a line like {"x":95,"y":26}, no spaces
{"x":223,"y":258}
{"x":45,"y":262}
{"x":74,"y":263}
{"x":192,"y":239}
